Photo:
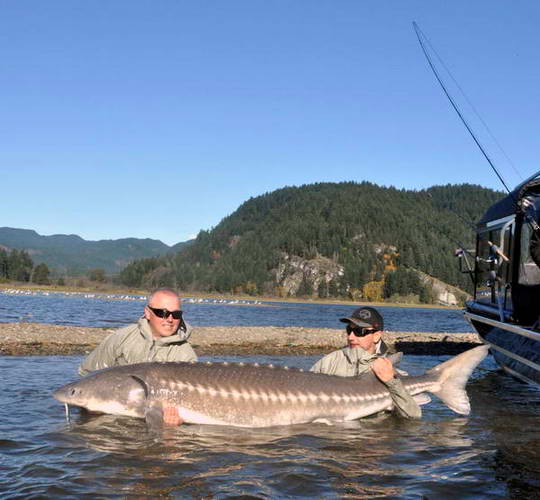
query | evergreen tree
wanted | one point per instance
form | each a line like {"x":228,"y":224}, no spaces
{"x":3,"y":264}
{"x":41,"y":275}
{"x":97,"y":275}
{"x":305,"y":289}
{"x":426,"y":294}
{"x":19,"y":266}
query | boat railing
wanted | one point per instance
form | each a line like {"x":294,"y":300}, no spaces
{"x":525,"y":332}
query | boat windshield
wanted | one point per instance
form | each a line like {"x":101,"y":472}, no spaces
{"x":493,"y":262}
{"x":529,"y":270}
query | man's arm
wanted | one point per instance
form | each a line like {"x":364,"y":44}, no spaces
{"x":318,"y":367}
{"x":103,"y":356}
{"x":404,"y":403}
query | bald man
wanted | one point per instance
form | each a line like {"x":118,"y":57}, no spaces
{"x":160,"y":335}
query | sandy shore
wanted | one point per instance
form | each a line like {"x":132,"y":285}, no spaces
{"x":29,"y":339}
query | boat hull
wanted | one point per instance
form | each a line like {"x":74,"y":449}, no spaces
{"x":515,"y":349}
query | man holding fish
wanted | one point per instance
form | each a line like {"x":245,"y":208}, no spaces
{"x":160,"y":335}
{"x":366,"y":350}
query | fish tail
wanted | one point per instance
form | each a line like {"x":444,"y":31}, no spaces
{"x":452,"y":376}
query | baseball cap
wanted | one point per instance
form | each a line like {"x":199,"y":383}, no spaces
{"x":365,"y":317}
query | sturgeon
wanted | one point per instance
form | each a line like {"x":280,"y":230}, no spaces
{"x":252,"y":395}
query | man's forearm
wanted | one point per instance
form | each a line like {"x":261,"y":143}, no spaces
{"x":404,"y":403}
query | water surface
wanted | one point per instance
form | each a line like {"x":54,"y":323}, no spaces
{"x":493,"y":453}
{"x":103,"y":311}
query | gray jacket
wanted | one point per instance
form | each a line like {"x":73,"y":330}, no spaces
{"x":351,"y":362}
{"x":136,"y":344}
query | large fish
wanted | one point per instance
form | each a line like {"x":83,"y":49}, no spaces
{"x":252,"y":395}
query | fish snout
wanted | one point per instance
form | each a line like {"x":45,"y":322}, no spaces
{"x":66,"y":394}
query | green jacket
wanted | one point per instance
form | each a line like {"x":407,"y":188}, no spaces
{"x":136,"y":344}
{"x":351,"y":362}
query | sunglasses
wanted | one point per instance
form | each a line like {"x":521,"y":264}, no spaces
{"x":163,"y":313}
{"x":360,"y":332}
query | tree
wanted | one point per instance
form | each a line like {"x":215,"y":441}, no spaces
{"x":161,"y":276}
{"x":305,"y":289}
{"x":322,"y":290}
{"x":389,"y":288}
{"x":3,"y":264}
{"x":426,"y":294}
{"x":19,"y":266}
{"x":97,"y":275}
{"x":402,"y":282}
{"x":41,"y":275}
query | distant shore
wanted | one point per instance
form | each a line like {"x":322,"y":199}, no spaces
{"x":38,"y":339}
{"x":104,"y":289}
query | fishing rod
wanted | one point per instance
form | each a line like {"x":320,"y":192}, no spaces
{"x":525,"y":205}
{"x":421,"y":37}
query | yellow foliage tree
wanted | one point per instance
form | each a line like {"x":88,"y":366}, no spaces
{"x":373,"y":291}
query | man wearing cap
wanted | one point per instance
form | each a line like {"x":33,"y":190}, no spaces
{"x":366,"y":350}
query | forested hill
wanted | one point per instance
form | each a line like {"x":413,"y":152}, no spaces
{"x":327,"y":239}
{"x":72,"y":254}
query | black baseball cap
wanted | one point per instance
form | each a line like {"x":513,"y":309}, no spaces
{"x":365,"y":317}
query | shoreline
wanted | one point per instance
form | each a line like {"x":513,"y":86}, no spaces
{"x":40,"y":339}
{"x":104,"y":290}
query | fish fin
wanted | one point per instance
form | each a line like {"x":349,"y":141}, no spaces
{"x":143,"y":384}
{"x":325,"y":421}
{"x":401,"y":373}
{"x":154,"y":416}
{"x":452,"y":376}
{"x":422,"y":398}
{"x":395,"y":358}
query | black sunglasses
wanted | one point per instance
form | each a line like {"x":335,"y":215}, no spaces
{"x":163,"y":313}
{"x":360,"y":332}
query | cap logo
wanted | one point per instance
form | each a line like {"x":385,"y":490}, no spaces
{"x":364,"y":314}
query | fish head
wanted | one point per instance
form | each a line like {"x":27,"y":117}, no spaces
{"x":112,"y":391}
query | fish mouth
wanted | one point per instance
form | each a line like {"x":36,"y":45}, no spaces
{"x":62,"y":395}
{"x":59,"y":396}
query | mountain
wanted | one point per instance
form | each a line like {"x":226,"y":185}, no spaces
{"x":328,"y":239}
{"x":178,"y":246}
{"x":72,"y":254}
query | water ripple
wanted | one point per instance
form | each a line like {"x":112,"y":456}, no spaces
{"x":493,"y":453}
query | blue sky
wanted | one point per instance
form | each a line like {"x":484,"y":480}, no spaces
{"x":155,"y":119}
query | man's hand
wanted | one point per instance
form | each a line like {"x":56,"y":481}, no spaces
{"x":383,"y":369}
{"x":171,"y":416}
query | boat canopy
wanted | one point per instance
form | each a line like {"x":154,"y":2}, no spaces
{"x":508,"y":205}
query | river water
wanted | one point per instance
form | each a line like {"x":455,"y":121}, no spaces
{"x":111,"y":311}
{"x":493,"y":453}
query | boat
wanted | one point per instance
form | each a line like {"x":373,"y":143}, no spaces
{"x":505,"y":307}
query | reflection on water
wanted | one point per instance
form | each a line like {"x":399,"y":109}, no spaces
{"x":494,"y":453}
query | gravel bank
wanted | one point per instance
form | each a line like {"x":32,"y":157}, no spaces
{"x":33,"y":339}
